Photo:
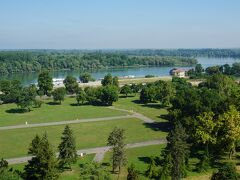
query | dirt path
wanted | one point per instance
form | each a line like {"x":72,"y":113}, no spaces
{"x":99,"y":151}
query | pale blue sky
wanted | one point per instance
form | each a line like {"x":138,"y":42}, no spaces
{"x":97,"y":24}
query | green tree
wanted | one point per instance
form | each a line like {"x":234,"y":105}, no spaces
{"x":93,"y":171}
{"x":206,"y":130}
{"x":26,"y":97}
{"x":67,"y":148}
{"x":109,"y":94}
{"x":226,"y":172}
{"x":231,"y":129}
{"x":151,"y":170}
{"x":108,"y":80}
{"x":34,"y":146}
{"x":132,"y":173}
{"x":45,"y":83}
{"x":85,"y":77}
{"x":71,"y":84}
{"x":6,"y":173}
{"x":116,"y":140}
{"x":10,"y":90}
{"x":148,"y":94}
{"x":126,"y":89}
{"x":81,"y":96}
{"x":43,"y":163}
{"x":177,"y":152}
{"x":59,"y":94}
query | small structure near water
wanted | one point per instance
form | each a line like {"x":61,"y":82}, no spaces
{"x":178,"y":72}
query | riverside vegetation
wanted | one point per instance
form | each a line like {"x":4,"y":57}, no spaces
{"x":202,"y":121}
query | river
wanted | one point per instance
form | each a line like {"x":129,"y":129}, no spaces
{"x":27,"y":78}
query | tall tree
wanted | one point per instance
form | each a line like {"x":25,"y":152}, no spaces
{"x":81,"y":96}
{"x":108,"y":95}
{"x":177,"y":152}
{"x":34,"y":146}
{"x":43,"y":163}
{"x":116,"y":140}
{"x":132,"y":173}
{"x":45,"y":82}
{"x":59,"y":94}
{"x":151,"y":170}
{"x":71,"y":84}
{"x":206,"y":130}
{"x":231,"y":129}
{"x":126,"y":89}
{"x":26,"y":97}
{"x":109,"y":80}
{"x":85,"y":77}
{"x":67,"y":148}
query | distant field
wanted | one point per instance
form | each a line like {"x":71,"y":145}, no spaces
{"x":144,"y":80}
{"x":151,"y":110}
{"x":50,"y":113}
{"x":14,"y":143}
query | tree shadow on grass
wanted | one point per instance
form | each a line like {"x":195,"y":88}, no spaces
{"x":16,"y":111}
{"x":149,"y":105}
{"x":128,"y":96}
{"x":53,"y":103}
{"x":76,"y":104}
{"x":147,"y":160}
{"x":159,"y":126}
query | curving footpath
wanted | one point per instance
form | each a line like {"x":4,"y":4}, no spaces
{"x":99,"y":151}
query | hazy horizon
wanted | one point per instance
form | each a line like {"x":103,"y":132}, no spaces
{"x":104,"y":25}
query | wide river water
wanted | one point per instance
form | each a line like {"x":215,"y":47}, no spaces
{"x":27,"y":78}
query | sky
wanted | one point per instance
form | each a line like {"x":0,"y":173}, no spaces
{"x":119,"y":24}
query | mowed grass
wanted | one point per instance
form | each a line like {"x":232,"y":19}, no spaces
{"x":66,"y":175}
{"x":139,"y":157}
{"x":9,"y":114}
{"x":151,"y":110}
{"x":15,"y":142}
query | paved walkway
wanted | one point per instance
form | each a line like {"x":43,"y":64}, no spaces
{"x":66,"y":122}
{"x":135,"y":114}
{"x":99,"y":151}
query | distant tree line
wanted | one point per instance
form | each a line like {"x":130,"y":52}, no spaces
{"x":200,"y":72}
{"x":221,"y":53}
{"x":26,"y":61}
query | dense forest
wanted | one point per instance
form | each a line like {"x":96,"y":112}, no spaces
{"x":37,"y":60}
{"x":34,"y":61}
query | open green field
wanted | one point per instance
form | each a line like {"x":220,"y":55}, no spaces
{"x":15,"y":142}
{"x":10,"y":115}
{"x":151,"y":110}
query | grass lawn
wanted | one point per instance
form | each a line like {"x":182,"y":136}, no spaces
{"x":15,"y":142}
{"x":73,"y":174}
{"x":50,"y":113}
{"x":151,"y":110}
{"x":139,"y":157}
